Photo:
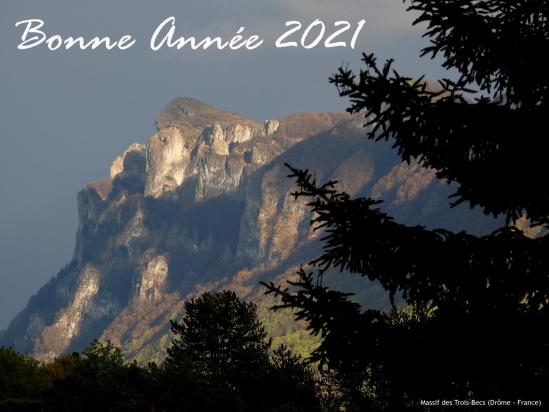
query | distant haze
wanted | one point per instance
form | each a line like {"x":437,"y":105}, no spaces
{"x":65,"y":115}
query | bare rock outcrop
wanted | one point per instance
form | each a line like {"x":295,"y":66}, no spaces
{"x":167,"y":159}
{"x":133,"y":153}
{"x":151,"y":283}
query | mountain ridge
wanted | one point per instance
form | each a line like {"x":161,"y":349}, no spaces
{"x":203,"y":205}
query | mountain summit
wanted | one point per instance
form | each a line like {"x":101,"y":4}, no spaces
{"x":205,"y":205}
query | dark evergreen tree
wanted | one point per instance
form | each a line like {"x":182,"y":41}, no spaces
{"x":219,"y":345}
{"x":217,"y":332}
{"x":478,"y":306}
{"x":220,"y":360}
{"x":292,"y":384}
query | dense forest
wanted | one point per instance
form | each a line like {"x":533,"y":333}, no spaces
{"x":220,"y":360}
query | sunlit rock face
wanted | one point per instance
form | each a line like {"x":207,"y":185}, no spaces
{"x":271,"y":126}
{"x":201,"y":144}
{"x":151,"y":281}
{"x":206,"y":204}
{"x":88,"y":285}
{"x":167,"y":159}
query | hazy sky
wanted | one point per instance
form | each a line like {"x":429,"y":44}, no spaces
{"x":65,"y":115}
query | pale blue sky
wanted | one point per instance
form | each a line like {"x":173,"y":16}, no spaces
{"x":65,"y":115}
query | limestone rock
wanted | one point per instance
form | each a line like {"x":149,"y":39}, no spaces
{"x":88,"y":285}
{"x":271,"y":126}
{"x":152,"y":279}
{"x":166,"y":158}
{"x":57,"y":337}
{"x":137,"y":151}
{"x":219,"y":139}
{"x":216,"y":140}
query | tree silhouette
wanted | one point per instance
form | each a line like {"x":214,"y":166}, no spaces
{"x":217,"y":332}
{"x":220,"y":360}
{"x":477,"y":306}
{"x":22,"y":383}
{"x":98,"y":379}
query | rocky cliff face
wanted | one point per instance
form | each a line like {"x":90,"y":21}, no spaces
{"x":204,"y":205}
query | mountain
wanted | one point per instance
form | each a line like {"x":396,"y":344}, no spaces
{"x":205,"y":204}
